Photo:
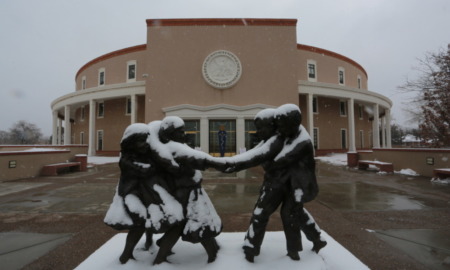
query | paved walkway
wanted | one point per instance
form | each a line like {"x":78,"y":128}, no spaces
{"x":387,"y":221}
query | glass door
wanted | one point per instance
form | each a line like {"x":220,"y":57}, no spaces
{"x":222,"y":138}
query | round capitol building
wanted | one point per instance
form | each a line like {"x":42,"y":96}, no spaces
{"x":217,"y":74}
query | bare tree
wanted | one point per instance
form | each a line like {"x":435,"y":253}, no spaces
{"x":23,"y":132}
{"x":431,"y":104}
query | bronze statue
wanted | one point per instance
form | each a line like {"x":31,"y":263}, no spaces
{"x":287,"y":156}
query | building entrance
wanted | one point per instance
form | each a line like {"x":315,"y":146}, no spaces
{"x":222,"y":137}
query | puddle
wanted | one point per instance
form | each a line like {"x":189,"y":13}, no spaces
{"x":233,"y":198}
{"x":361,"y":196}
{"x":429,"y":247}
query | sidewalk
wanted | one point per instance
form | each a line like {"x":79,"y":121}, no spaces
{"x":387,"y":221}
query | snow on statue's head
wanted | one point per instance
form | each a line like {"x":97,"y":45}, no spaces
{"x":288,"y":119}
{"x":265,"y":123}
{"x":135,"y":138}
{"x":172,"y":129}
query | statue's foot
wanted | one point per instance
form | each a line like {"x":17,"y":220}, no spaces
{"x":318,"y":245}
{"x":250,"y":257}
{"x":147,"y":245}
{"x":125,"y":257}
{"x":294,"y":255}
{"x":160,"y":261}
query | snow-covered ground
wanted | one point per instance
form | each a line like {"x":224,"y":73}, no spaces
{"x":341,"y":160}
{"x":102,"y":160}
{"x":230,"y":256}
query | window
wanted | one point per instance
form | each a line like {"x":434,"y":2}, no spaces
{"x":100,"y":109}
{"x":83,"y":82}
{"x":131,"y":71}
{"x":341,"y":75}
{"x":81,"y":137}
{"x":361,"y":139}
{"x":316,"y":138}
{"x":360,"y":112}
{"x":251,"y":138}
{"x":343,"y":138}
{"x":99,"y":140}
{"x":192,"y":131}
{"x":101,"y":76}
{"x":315,"y":105}
{"x":343,"y":108}
{"x":359,"y":82}
{"x":82,"y":113}
{"x":312,"y":72}
{"x":128,"y":107}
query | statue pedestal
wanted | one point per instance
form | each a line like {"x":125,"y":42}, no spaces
{"x":230,"y":256}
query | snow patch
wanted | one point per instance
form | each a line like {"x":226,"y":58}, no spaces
{"x":334,"y":159}
{"x":407,"y":172}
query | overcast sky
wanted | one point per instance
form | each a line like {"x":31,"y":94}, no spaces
{"x":43,"y":43}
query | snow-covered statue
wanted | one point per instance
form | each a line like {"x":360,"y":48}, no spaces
{"x":201,"y":222}
{"x":287,"y":156}
{"x":160,"y":191}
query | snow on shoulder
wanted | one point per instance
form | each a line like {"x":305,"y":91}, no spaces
{"x":137,"y":128}
{"x":287,"y":148}
{"x":287,"y":108}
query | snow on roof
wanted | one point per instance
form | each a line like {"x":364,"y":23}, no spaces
{"x":287,"y":108}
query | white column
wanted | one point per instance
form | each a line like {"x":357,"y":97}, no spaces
{"x":67,"y":130}
{"x":376,"y":127}
{"x":351,"y":125}
{"x":383,"y":132}
{"x":240,"y":133}
{"x":204,"y":134}
{"x":59,"y":131}
{"x":388,"y":129}
{"x":133,"y":109}
{"x":309,"y":107}
{"x":55,"y":128}
{"x":91,"y":147}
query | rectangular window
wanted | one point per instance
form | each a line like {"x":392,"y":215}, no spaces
{"x":316,"y":138}
{"x":360,"y":112}
{"x":83,"y":82}
{"x":361,"y":139}
{"x":343,"y":108}
{"x":132,"y":72}
{"x":312,"y":70}
{"x":128,"y":107}
{"x":81,"y":137}
{"x":99,"y":140}
{"x":101,"y":76}
{"x":359,"y":82}
{"x":100,"y":109}
{"x":82,"y":113}
{"x":315,"y":105}
{"x":192,"y":131}
{"x":341,"y":76}
{"x":251,"y":138}
{"x":343,"y":138}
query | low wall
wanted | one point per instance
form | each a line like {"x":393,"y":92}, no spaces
{"x":422,"y":160}
{"x":18,"y":162}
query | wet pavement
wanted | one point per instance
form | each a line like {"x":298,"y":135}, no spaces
{"x":388,"y":221}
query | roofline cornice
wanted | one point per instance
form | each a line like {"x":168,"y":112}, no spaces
{"x":332,"y":54}
{"x":223,"y":21}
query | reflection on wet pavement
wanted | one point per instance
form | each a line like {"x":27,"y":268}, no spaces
{"x":362,"y":196}
{"x":430,"y":247}
{"x":233,"y":197}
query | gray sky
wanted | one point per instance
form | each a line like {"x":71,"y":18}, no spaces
{"x":45,"y":42}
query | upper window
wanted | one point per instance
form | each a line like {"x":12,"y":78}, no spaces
{"x":131,"y":70}
{"x":341,"y":75}
{"x":359,"y":82}
{"x":312,"y":70}
{"x":101,"y":76}
{"x":83,"y":82}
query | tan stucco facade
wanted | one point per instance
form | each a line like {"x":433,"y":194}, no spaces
{"x":170,"y":80}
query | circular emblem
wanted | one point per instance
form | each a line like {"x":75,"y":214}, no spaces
{"x":221,"y":69}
